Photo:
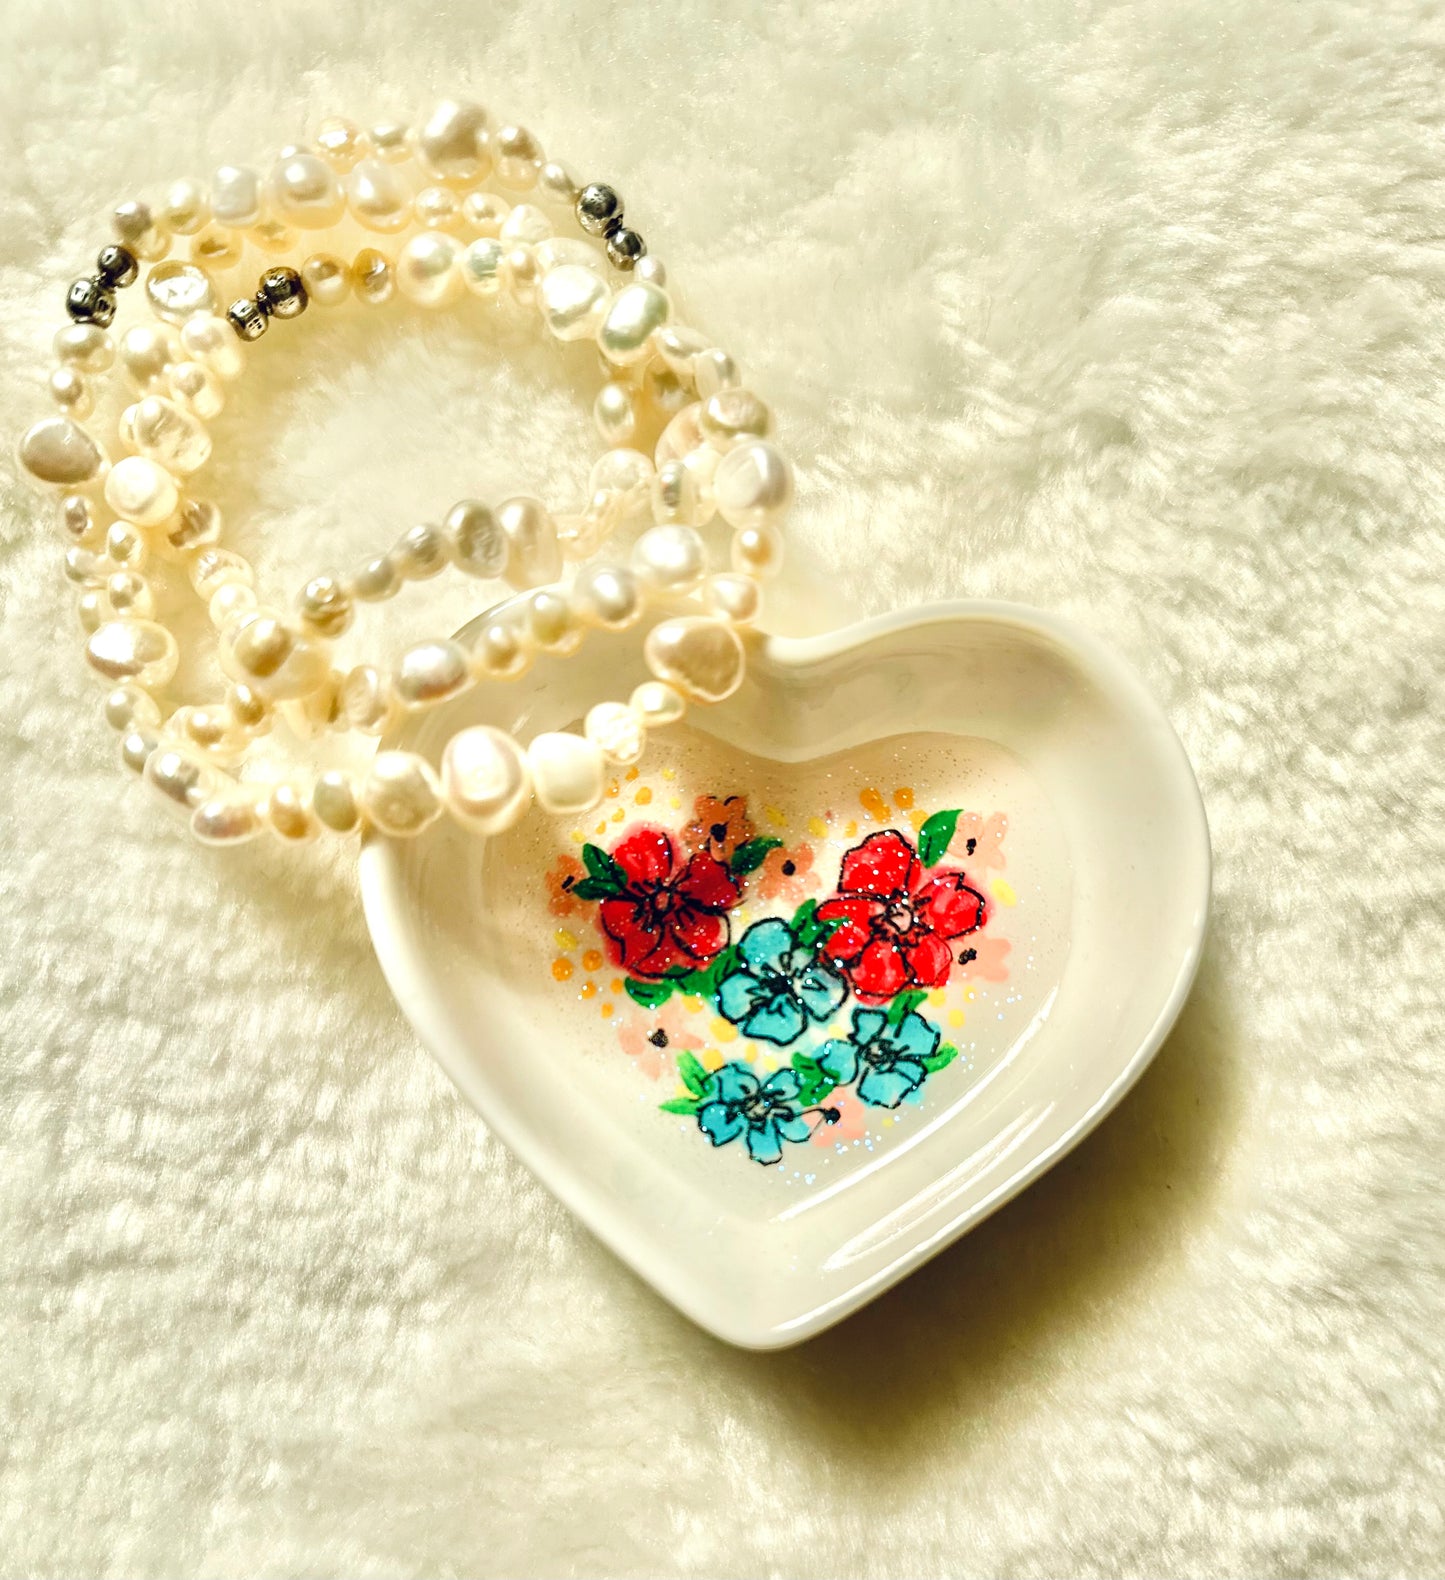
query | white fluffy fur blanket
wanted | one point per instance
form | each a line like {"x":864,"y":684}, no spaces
{"x":1132,"y":309}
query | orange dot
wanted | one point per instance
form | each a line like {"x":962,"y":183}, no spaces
{"x":613,"y":787}
{"x":592,"y":960}
{"x":616,"y":984}
{"x":606,"y":1009}
{"x":589,"y":990}
{"x":630,"y":775}
{"x":561,"y":968}
{"x":643,"y":796}
{"x":873,"y":804}
{"x":903,"y":797}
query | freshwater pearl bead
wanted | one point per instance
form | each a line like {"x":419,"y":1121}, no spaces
{"x":341,"y":142}
{"x":516,"y":157}
{"x":86,"y":347}
{"x":77,"y":519}
{"x":658,"y":704}
{"x":176,"y":291}
{"x":326,"y":278}
{"x":196,"y":525}
{"x":675,"y":495}
{"x":401,"y":794}
{"x":499,"y":653}
{"x":485,"y":779}
{"x":377,"y":580}
{"x":57,"y":450}
{"x":236,"y":196}
{"x":69,"y":391}
{"x":226,"y":820}
{"x":136,"y":746}
{"x":212,"y":568}
{"x":421,"y":552}
{"x":124,"y":546}
{"x":366,"y":700}
{"x":180,"y":781}
{"x":391,"y":140}
{"x":185,"y":208}
{"x":211,"y":342}
{"x":627,"y":473}
{"x":438,"y":208}
{"x":556,"y":184}
{"x":614,"y":414}
{"x":169,"y":436}
{"x":678,"y":346}
{"x":520,"y":273}
{"x":651,"y":269}
{"x":753,"y":485}
{"x":92,"y":610}
{"x":430,"y":672}
{"x":147,"y":351}
{"x":573,"y":301}
{"x":552,"y":624}
{"x":663,"y":391}
{"x":713,"y":370}
{"x":287,"y":812}
{"x":372,"y":277}
{"x":568,"y":773}
{"x":732,"y":596}
{"x":129,"y":705}
{"x":326,"y":607}
{"x":141,"y":491}
{"x":484,"y":212}
{"x":625,"y":333}
{"x":702,"y":658}
{"x":217,"y":249}
{"x":608,"y":596}
{"x":452,"y":143}
{"x":732,"y":416}
{"x":138,"y":650}
{"x":251,"y":711}
{"x":228,"y":601}
{"x":378,"y":197}
{"x":475,"y":539}
{"x":617,"y":731}
{"x":669,"y":559}
{"x":426,"y":270}
{"x":534,"y":555}
{"x":334,"y":800}
{"x":757,"y":551}
{"x":136,"y":230}
{"x":196,"y":389}
{"x":682,"y":435}
{"x":480,"y":266}
{"x":276,"y":660}
{"x":525,"y":226}
{"x":211,"y":731}
{"x":84,"y":567}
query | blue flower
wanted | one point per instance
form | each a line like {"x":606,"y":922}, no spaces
{"x":780,"y":986}
{"x":891,"y":1060}
{"x":737,"y":1103}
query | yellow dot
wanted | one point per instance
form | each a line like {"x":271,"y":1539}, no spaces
{"x":589,"y":990}
{"x":668,"y":773}
{"x":850,"y":830}
{"x":903,"y":798}
{"x":873,"y":804}
{"x":1003,"y":892}
{"x":616,"y":984}
{"x":955,"y":1018}
{"x":917,"y":819}
{"x":673,"y":802}
{"x":692,"y":1003}
{"x":618,"y":815}
{"x":935,"y":997}
{"x":643,"y":796}
{"x":775,"y":817}
{"x":817,"y":828}
{"x":592,"y":960}
{"x":970,"y":994}
{"x":602,"y":828}
{"x":561,"y":968}
{"x":724,"y":1031}
{"x":578,"y":837}
{"x":712,"y":1059}
{"x":565,"y":940}
{"x":606,"y":1009}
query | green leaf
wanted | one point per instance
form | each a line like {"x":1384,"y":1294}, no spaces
{"x":804,"y":923}
{"x":603,"y":869}
{"x":593,"y":889}
{"x":680,"y":1105}
{"x":694,"y":1077}
{"x":704,"y":983}
{"x":936,"y":835}
{"x":904,"y":1004}
{"x":941,"y":1059}
{"x":750,"y":855}
{"x":817,"y":1083}
{"x":648,"y":994}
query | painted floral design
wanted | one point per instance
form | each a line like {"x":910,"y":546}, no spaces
{"x":779,"y":986}
{"x":788,"y":875}
{"x":979,"y":840}
{"x":888,"y":933}
{"x":893,"y":927}
{"x":562,"y":877}
{"x":719,"y":826}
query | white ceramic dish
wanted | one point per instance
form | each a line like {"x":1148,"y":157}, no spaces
{"x":1087,"y":951}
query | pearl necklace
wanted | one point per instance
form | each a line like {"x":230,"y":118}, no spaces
{"x":429,"y":204}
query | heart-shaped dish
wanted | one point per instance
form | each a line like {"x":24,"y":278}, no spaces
{"x":844,"y":964}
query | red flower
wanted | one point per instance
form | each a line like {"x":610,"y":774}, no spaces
{"x":667,"y":917}
{"x":895,"y":925}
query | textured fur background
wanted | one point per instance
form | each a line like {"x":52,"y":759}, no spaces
{"x":1135,"y":310}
